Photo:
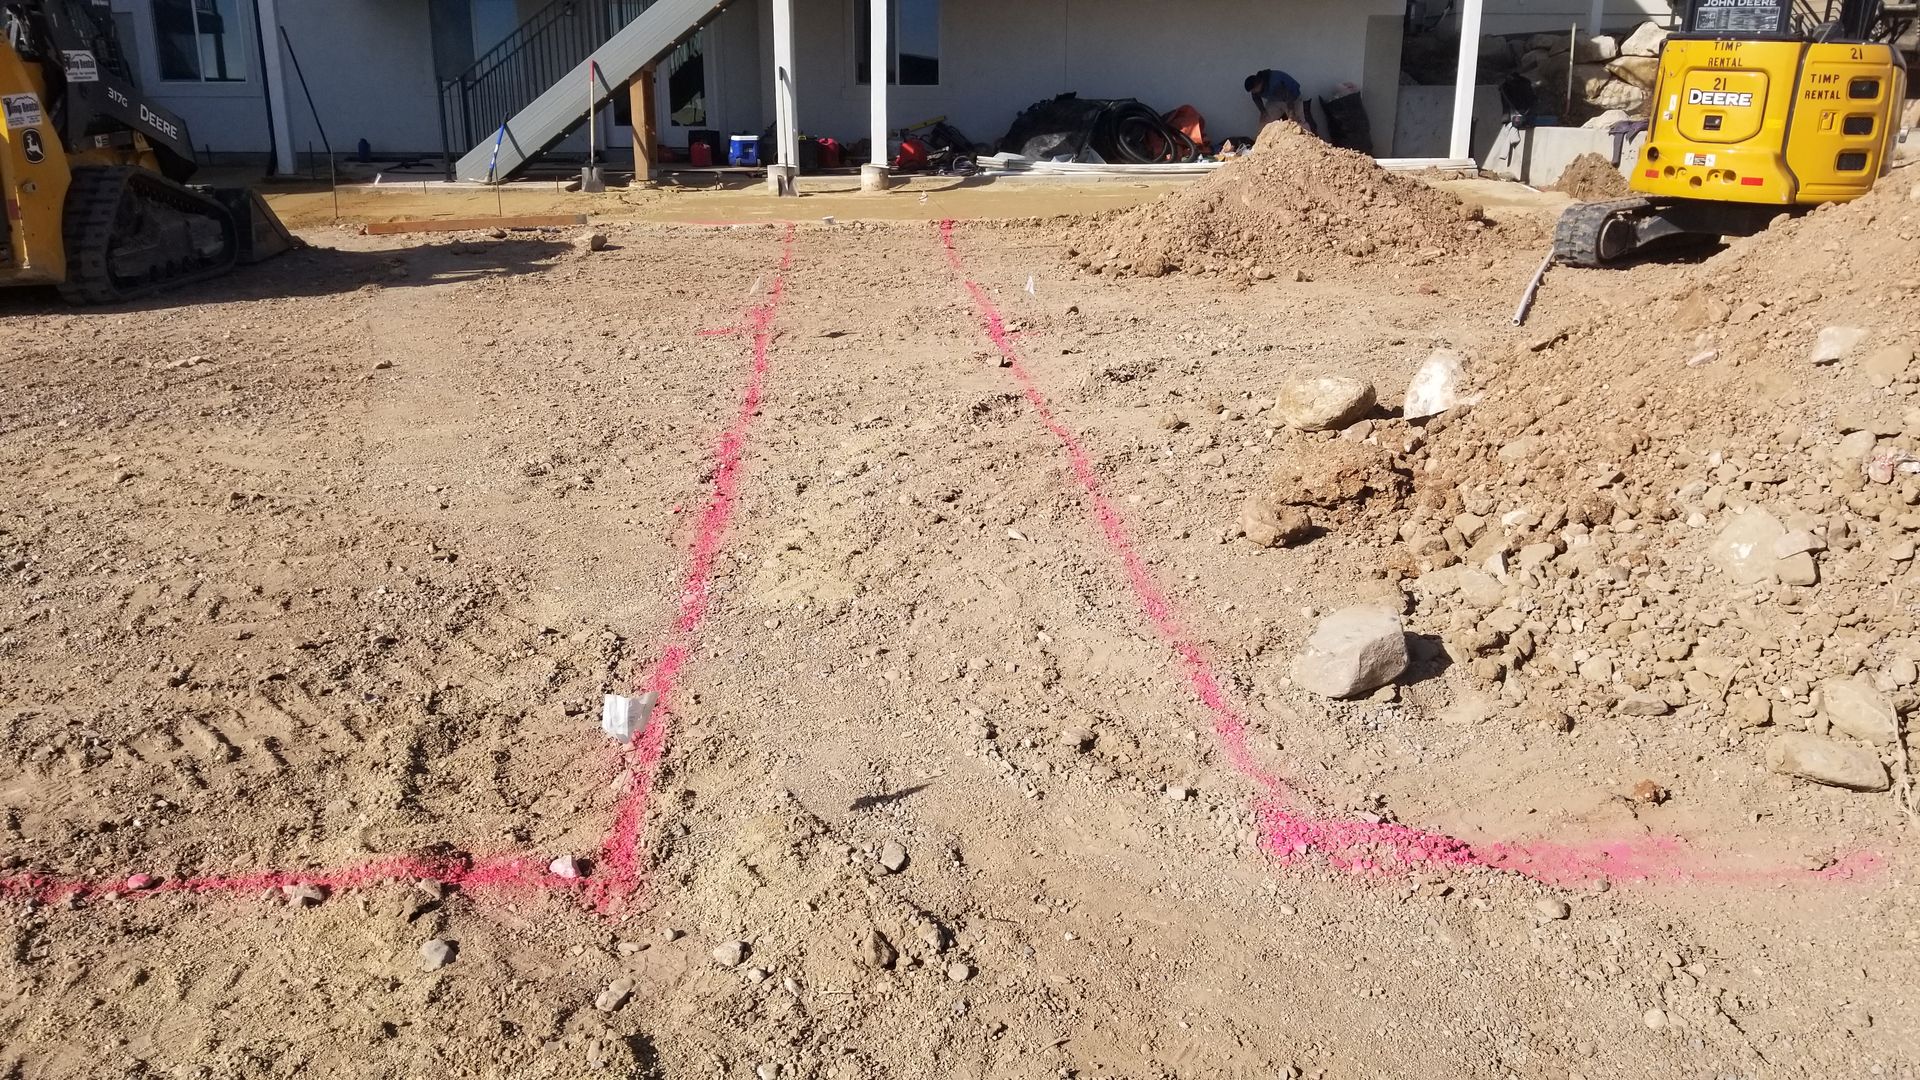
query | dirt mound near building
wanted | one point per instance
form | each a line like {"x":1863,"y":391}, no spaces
{"x":1294,"y":202}
{"x":1592,"y":178}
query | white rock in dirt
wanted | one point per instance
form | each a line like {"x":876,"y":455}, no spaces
{"x":1552,"y":907}
{"x":614,"y":996}
{"x":1437,"y":386}
{"x":1324,"y":402}
{"x":1824,"y":761}
{"x":1744,"y":548}
{"x":959,"y":972}
{"x":1353,"y":652}
{"x":893,"y":856}
{"x":436,"y":953}
{"x":1855,"y":708}
{"x":1645,"y":41}
{"x":730,"y":954}
{"x":1835,"y":343}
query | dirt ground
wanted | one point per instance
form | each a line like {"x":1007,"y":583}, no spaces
{"x":316,"y":578}
{"x":701,"y":199}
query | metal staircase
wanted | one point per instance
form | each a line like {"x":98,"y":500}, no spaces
{"x":530,"y":91}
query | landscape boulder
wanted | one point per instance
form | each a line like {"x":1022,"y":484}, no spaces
{"x":1645,"y":41}
{"x":1324,"y":402}
{"x":1353,"y":652}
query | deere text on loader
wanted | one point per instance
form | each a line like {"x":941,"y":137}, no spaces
{"x":94,"y":174}
{"x":1761,"y":107}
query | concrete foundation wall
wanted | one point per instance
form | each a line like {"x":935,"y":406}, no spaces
{"x":1538,"y":156}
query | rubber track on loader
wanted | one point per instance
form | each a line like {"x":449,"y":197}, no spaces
{"x":93,"y":216}
{"x":1576,"y":238}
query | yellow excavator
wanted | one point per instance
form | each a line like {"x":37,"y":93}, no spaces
{"x":94,"y":173}
{"x":1761,"y":107}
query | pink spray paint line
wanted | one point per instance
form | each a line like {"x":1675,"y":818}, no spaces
{"x":1357,"y":846}
{"x":507,"y":873}
{"x":619,"y":874}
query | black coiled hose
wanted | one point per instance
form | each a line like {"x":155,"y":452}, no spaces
{"x":1130,"y":133}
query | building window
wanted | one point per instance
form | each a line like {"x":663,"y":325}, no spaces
{"x":687,"y":84}
{"x":914,"y":59}
{"x":200,"y":40}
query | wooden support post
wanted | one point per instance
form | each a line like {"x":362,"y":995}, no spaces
{"x":646,"y":126}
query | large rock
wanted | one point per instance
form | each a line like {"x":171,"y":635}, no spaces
{"x":1618,"y":94}
{"x":1269,"y":525}
{"x":1824,"y":761}
{"x":1353,"y":652}
{"x":1438,"y":386}
{"x":1337,"y":472}
{"x":1855,"y":708}
{"x":1324,"y":402}
{"x":1836,"y":343}
{"x":1646,"y":41}
{"x":1641,"y":71}
{"x":1744,"y":548}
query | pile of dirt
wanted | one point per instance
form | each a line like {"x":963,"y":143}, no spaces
{"x":1592,"y":178}
{"x":1292,"y":203}
{"x":1696,"y":493}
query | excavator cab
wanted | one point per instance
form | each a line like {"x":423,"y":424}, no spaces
{"x":1761,"y":107}
{"x":95,"y":175}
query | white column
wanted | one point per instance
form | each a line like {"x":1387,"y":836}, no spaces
{"x":1598,"y":17}
{"x":780,"y":176}
{"x":1466,"y":77}
{"x":875,"y":175}
{"x":276,"y":78}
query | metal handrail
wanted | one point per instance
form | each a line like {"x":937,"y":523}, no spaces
{"x":524,"y":65}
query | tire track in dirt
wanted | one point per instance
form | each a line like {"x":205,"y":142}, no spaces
{"x":509,"y":873}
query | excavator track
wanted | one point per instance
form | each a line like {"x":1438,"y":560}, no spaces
{"x":131,"y":231}
{"x":1598,"y":233}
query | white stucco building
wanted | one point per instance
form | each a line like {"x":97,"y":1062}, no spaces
{"x":380,"y":70}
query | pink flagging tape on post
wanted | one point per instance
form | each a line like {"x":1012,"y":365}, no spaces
{"x":1361,"y":847}
{"x":509,"y":873}
{"x":619,"y":874}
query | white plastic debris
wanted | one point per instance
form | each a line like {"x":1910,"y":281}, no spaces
{"x":1030,"y":289}
{"x":621,"y":718}
{"x":1436,"y":386}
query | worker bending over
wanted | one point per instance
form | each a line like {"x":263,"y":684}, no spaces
{"x":1277,"y":95}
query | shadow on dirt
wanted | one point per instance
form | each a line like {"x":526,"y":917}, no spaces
{"x":326,"y":271}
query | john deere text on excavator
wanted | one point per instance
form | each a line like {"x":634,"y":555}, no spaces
{"x":1761,"y":107}
{"x":95,"y":175}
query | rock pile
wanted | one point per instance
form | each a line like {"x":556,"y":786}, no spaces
{"x":1721,"y":547}
{"x":1606,"y":72}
